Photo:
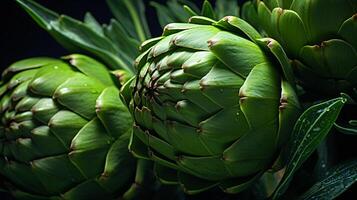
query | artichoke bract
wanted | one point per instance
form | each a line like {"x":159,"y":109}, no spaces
{"x":64,"y":132}
{"x":319,"y":37}
{"x":211,"y":104}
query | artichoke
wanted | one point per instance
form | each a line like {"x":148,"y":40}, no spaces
{"x":319,"y":37}
{"x":211,"y":104}
{"x":64,"y":132}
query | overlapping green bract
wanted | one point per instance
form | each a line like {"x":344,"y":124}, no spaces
{"x":211,"y":105}
{"x":319,"y":37}
{"x":64,"y":131}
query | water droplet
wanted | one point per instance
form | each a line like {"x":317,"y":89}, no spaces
{"x":323,"y":165}
{"x":320,"y":111}
{"x":316,"y":129}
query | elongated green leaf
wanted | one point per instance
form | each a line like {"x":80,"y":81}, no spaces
{"x":337,"y":180}
{"x":323,"y":162}
{"x":351,"y":129}
{"x":163,"y":14}
{"x":226,"y":8}
{"x":310,"y":129}
{"x":131,"y":14}
{"x":39,"y":13}
{"x":83,"y":38}
{"x":207,"y":10}
{"x":117,"y":44}
{"x":190,"y":11}
{"x":174,"y":11}
{"x":91,"y":22}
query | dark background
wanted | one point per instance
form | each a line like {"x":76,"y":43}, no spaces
{"x":21,"y":37}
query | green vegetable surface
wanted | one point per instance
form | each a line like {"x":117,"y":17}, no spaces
{"x":64,"y":131}
{"x":211,"y":104}
{"x":319,"y":37}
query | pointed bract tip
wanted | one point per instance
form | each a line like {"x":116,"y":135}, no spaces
{"x":354,"y":17}
{"x":228,"y":18}
{"x":270,"y":42}
{"x":211,"y":43}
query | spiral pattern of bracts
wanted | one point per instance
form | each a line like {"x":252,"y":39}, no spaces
{"x":210,"y":103}
{"x":319,"y":37}
{"x":64,"y":131}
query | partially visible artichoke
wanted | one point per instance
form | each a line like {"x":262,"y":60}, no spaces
{"x":320,"y":37}
{"x":64,"y":132}
{"x":211,"y":104}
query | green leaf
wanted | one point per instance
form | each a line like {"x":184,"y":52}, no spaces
{"x":207,"y":10}
{"x":163,"y":14}
{"x":128,"y":48}
{"x":89,"y":37}
{"x":337,"y":180}
{"x":310,"y":129}
{"x":226,"y":8}
{"x":174,"y":11}
{"x":131,"y":14}
{"x":190,"y":11}
{"x":176,"y":7}
{"x":91,"y":22}
{"x":83,"y":38}
{"x":39,"y":13}
{"x":324,"y":159}
{"x":350,"y":129}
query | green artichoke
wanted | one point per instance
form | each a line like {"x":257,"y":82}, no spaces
{"x":320,"y":38}
{"x":211,"y":104}
{"x":64,"y":132}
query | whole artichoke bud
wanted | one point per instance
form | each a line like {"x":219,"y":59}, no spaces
{"x":211,"y":105}
{"x":320,"y":38}
{"x":63,"y":134}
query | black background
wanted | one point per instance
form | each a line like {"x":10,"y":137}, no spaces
{"x":21,"y":37}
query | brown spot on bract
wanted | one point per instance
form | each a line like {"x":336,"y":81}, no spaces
{"x":178,"y":106}
{"x":270,"y":43}
{"x":242,"y":96}
{"x":283,"y":103}
{"x":199,"y":130}
{"x":98,"y":109}
{"x":354,"y":17}
{"x":283,"y":106}
{"x":226,"y":18}
{"x":104,"y":175}
{"x":211,"y":43}
{"x":280,"y":11}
